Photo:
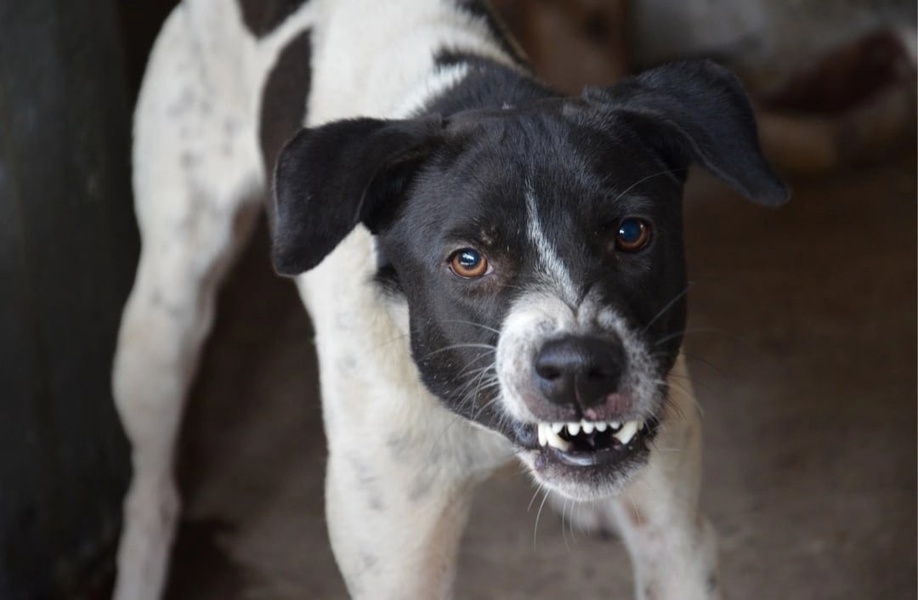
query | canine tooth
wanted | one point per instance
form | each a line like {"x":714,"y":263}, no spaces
{"x":601,"y":426}
{"x":557,"y":427}
{"x":627,"y":432}
{"x":556,"y":440}
{"x":587,"y":426}
{"x":573,"y":428}
{"x":543,"y":438}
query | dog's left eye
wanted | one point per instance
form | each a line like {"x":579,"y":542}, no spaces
{"x":468,"y":263}
{"x":633,"y":234}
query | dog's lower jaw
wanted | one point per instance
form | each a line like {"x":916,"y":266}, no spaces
{"x":581,"y":483}
{"x":588,"y":474}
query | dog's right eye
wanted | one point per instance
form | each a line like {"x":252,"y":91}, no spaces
{"x":633,"y":234}
{"x":469,"y":263}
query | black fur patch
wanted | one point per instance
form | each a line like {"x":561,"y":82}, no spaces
{"x":283,"y":102}
{"x":261,"y":17}
{"x":489,"y":85}
{"x":330,"y":178}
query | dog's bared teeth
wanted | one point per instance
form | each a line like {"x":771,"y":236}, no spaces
{"x":628,"y":431}
{"x":557,"y":427}
{"x":552,"y":438}
{"x":543,"y":438}
{"x":587,"y":426}
{"x":601,"y":426}
{"x":573,"y":428}
{"x":615,"y":424}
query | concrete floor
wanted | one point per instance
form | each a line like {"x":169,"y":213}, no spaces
{"x":804,"y":352}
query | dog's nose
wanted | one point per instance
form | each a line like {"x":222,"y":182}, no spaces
{"x":579,"y":369}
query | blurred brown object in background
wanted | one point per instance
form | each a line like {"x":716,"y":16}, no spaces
{"x":571,"y":43}
{"x":846,"y":78}
{"x":854,"y":106}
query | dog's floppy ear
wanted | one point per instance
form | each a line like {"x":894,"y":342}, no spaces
{"x":330,"y":178}
{"x":697,"y":111}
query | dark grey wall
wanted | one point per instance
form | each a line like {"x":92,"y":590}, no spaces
{"x":68,"y":248}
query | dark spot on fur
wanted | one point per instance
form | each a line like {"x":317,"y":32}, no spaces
{"x":189,"y":160}
{"x":161,"y":302}
{"x":347,"y":364}
{"x":399,"y":444}
{"x":405,"y":448}
{"x":420,"y":488}
{"x":283,"y":105}
{"x":261,"y":17}
{"x":182,"y":103}
{"x":367,"y":484}
{"x":637,"y":518}
{"x":368,"y":561}
{"x":230,"y":127}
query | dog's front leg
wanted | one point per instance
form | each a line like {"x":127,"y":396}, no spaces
{"x":398,"y":489}
{"x":672,"y":545}
{"x":394,"y":536}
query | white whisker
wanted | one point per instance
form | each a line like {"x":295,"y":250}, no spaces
{"x":535,"y":530}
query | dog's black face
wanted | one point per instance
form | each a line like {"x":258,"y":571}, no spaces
{"x":542,"y":263}
{"x":538,"y":250}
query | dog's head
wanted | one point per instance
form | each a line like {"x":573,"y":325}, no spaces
{"x":538,"y":249}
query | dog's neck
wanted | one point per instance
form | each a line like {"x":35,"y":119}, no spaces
{"x":484,"y":84}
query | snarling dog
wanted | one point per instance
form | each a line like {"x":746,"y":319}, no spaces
{"x":492,"y":270}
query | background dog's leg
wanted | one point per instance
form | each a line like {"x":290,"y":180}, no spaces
{"x":196,"y":179}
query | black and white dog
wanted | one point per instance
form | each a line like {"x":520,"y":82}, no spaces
{"x":492,"y":271}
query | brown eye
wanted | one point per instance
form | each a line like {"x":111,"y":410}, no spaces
{"x":633,"y":234}
{"x":468,"y":263}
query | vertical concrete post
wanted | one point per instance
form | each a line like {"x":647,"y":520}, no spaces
{"x":68,"y":249}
